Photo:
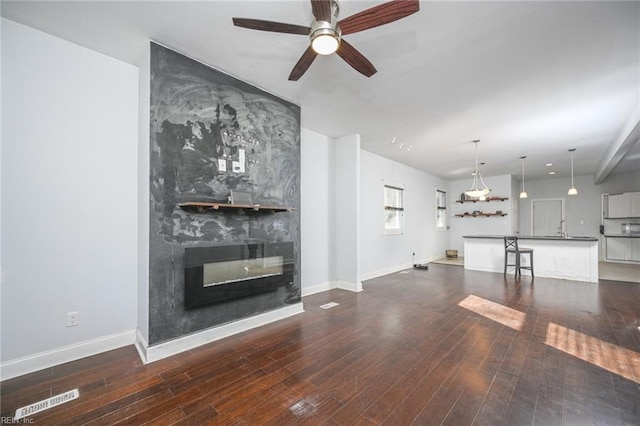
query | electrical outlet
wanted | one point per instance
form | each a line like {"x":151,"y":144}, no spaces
{"x":72,"y":319}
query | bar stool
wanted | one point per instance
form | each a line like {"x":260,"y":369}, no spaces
{"x":511,"y":247}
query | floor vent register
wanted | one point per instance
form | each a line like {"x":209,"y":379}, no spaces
{"x":29,"y":410}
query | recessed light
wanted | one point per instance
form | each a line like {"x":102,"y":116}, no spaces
{"x":552,"y":173}
{"x":549,"y":164}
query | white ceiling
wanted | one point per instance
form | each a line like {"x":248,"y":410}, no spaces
{"x":526,"y":78}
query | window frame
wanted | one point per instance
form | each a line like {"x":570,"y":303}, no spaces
{"x":441,"y":208}
{"x":398,"y":208}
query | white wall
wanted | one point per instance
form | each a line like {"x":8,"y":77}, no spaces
{"x":516,"y":187}
{"x":347,"y":212}
{"x":69,"y":197}
{"x":1,"y":133}
{"x":317,"y":212}
{"x":621,"y":182}
{"x":501,"y":186}
{"x":382,"y":254}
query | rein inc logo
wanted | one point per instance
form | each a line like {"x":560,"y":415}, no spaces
{"x":22,"y":413}
{"x":14,"y":421}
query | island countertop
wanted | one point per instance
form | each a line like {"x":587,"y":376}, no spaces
{"x":568,"y":258}
{"x":534,"y":237}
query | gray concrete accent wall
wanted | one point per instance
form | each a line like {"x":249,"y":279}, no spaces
{"x":211,"y":133}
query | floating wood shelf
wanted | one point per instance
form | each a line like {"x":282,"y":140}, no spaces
{"x":205,"y":207}
{"x":481,"y":214}
{"x":487,"y":200}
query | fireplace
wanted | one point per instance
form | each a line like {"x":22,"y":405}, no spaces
{"x":217,"y":274}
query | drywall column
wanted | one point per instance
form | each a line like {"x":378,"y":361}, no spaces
{"x":317,"y":212}
{"x":144,"y":106}
{"x":347,"y":211}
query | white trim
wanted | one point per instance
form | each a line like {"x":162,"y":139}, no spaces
{"x":533,"y":201}
{"x":42,"y":360}
{"x":318,"y":288}
{"x":163,"y":350}
{"x":141,"y":345}
{"x":347,"y":285}
{"x":393,"y":269}
{"x":395,"y":231}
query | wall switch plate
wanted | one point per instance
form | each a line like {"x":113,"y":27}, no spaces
{"x":72,"y":319}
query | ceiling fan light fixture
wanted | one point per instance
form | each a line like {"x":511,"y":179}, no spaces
{"x":325,"y":37}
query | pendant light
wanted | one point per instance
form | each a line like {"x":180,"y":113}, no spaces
{"x":478,"y":189}
{"x":483,"y":197}
{"x":523,"y":193}
{"x":572,"y":190}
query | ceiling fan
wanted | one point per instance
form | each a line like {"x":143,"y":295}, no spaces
{"x":326,"y":31}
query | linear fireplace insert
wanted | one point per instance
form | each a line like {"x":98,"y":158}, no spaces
{"x":218,"y":274}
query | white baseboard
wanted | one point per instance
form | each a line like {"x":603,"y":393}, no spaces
{"x":42,"y":360}
{"x":385,"y":271}
{"x":351,"y":286}
{"x":394,"y":269}
{"x":318,"y":288}
{"x":153,"y":353}
{"x":141,"y":346}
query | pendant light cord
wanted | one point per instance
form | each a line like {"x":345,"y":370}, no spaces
{"x":523,"y":173}
{"x":572,"y":168}
{"x":572,"y":190}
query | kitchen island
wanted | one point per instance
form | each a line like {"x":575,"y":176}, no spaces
{"x":568,"y":258}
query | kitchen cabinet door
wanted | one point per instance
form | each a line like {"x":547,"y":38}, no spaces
{"x":635,"y":249}
{"x":619,"y":206}
{"x":619,"y":248}
{"x":634,"y":201}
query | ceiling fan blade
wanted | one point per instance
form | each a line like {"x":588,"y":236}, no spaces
{"x":321,"y":10}
{"x":303,"y":64}
{"x":379,"y":15}
{"x":355,"y":59}
{"x":276,"y":27}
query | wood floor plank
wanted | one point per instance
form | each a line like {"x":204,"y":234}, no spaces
{"x":403,"y":351}
{"x":464,"y":373}
{"x":457,"y":347}
{"x":496,"y":402}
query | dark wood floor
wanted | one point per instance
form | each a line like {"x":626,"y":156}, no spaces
{"x":401,"y":352}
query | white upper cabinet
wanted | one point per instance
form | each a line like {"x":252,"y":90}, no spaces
{"x":623,"y":205}
{"x":634,"y":202}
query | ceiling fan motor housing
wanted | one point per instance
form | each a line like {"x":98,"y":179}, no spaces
{"x":325,"y":36}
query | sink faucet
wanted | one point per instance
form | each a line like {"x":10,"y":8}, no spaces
{"x":563,"y":231}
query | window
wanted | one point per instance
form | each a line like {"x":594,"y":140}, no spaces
{"x":393,"y":209}
{"x":441,"y":210}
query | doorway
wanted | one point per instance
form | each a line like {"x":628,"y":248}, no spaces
{"x":547,"y":216}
